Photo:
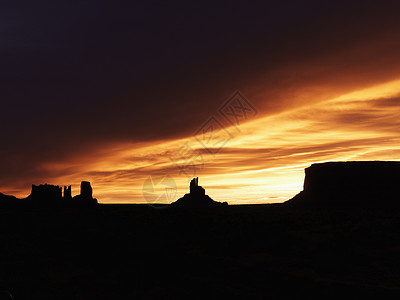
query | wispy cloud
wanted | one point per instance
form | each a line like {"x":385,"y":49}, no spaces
{"x":264,"y":162}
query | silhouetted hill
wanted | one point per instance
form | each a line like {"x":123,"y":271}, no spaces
{"x":7,"y":197}
{"x":6,"y":200}
{"x":348,"y":183}
{"x":196,"y":198}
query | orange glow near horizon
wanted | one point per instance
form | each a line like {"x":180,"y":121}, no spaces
{"x":263,"y":163}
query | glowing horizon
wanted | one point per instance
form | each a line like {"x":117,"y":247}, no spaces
{"x":264,"y":160}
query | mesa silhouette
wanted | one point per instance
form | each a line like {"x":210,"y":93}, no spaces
{"x":350,"y":183}
{"x":47,"y":195}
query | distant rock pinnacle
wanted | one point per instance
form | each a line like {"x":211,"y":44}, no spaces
{"x":197,"y":197}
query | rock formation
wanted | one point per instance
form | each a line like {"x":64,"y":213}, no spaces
{"x":86,"y":195}
{"x":197,"y":197}
{"x":46,"y":194}
{"x":195,"y":189}
{"x":357,"y":182}
{"x":86,"y":190}
{"x":67,"y":193}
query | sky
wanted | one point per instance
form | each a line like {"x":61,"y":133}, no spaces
{"x":139,"y":97}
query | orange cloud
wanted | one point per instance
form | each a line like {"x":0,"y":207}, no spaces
{"x":264,"y":162}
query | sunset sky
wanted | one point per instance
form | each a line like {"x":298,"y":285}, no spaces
{"x":124,"y":94}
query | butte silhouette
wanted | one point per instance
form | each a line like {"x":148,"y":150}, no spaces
{"x":197,"y":198}
{"x":48,"y":195}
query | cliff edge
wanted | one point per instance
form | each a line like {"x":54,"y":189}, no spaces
{"x":354,"y":182}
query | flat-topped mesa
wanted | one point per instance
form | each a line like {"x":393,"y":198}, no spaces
{"x":373,"y":182}
{"x":197,"y":197}
{"x":46,"y":193}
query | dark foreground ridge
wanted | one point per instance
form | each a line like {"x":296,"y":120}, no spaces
{"x":197,"y":198}
{"x":351,"y":183}
{"x":279,"y":251}
{"x":47,"y":195}
{"x":239,"y":252}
